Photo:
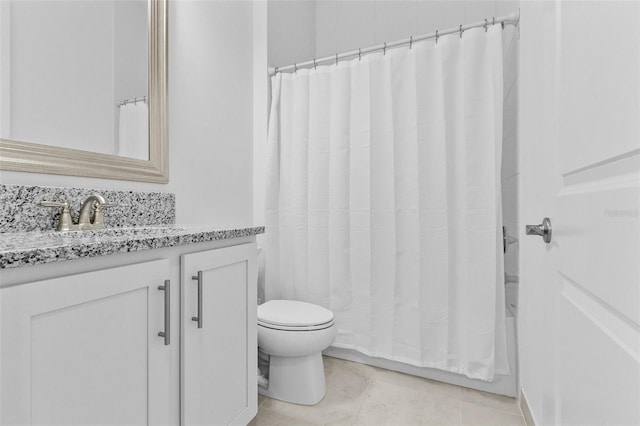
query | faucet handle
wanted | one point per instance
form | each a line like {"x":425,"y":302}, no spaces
{"x":63,"y":204}
{"x":98,"y":216}
{"x":65,"y":223}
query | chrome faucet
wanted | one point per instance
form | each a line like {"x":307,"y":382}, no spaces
{"x":93,"y":204}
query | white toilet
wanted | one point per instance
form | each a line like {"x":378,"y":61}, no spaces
{"x":294,"y":334}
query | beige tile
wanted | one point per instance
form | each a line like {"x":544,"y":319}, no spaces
{"x":359,"y":394}
{"x":392,"y":404}
{"x":478,"y":415}
{"x":440,"y":412}
{"x":430,"y":388}
{"x":347,"y":383}
{"x":322,"y":413}
{"x":346,"y":380}
{"x":490,"y":400}
{"x":267,"y":417}
{"x":261,"y":399}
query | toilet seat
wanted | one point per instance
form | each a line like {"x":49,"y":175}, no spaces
{"x":291,"y":315}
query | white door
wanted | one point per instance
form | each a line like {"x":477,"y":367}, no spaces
{"x":219,"y":348}
{"x":580,"y":162}
{"x":85,"y":350}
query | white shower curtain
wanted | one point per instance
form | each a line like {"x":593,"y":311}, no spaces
{"x":383,"y":201}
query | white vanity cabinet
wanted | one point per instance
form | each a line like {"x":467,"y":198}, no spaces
{"x":80,"y":344}
{"x":84,"y":349}
{"x":218,"y":336}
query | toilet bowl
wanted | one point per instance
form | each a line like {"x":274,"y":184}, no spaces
{"x":294,"y":334}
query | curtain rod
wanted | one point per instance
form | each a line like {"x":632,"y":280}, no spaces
{"x":511,"y":19}
{"x":132,"y":101}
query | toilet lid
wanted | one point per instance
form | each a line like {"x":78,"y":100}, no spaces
{"x":292,"y":313}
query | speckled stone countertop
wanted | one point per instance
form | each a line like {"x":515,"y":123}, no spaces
{"x":20,"y":209}
{"x":33,"y":248}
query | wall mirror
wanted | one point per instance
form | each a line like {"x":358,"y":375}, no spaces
{"x":83,"y":88}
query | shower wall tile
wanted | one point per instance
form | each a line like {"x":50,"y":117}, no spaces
{"x":510,"y":55}
{"x":510,"y":167}
{"x":510,"y":135}
{"x":510,"y":104}
{"x":510,"y":220}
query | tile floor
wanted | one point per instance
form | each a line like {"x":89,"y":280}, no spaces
{"x":359,"y":394}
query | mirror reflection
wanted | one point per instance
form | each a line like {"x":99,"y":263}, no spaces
{"x":74,"y":74}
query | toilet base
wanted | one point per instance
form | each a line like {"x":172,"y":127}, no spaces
{"x":299,"y":380}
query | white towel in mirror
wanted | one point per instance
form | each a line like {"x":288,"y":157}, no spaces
{"x":133,"y":134}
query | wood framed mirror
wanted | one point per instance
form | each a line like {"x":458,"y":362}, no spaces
{"x":39,"y":156}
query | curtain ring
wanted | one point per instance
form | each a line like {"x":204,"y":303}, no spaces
{"x":336,"y":59}
{"x":410,"y":42}
{"x":485,"y":24}
{"x":502,"y":23}
{"x":436,"y":36}
{"x":295,"y":68}
{"x":384,"y":49}
{"x":315,"y":65}
{"x":359,"y":54}
{"x":275,"y":70}
{"x":494,"y":21}
{"x":460,"y":31}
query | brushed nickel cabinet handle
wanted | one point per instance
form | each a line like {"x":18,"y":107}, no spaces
{"x":198,"y":318}
{"x":167,"y":312}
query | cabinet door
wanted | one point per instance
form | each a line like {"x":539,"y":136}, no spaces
{"x":219,"y":360}
{"x":84,"y":349}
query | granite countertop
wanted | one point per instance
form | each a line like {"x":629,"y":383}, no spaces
{"x":33,"y":248}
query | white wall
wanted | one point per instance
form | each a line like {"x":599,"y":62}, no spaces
{"x":210,"y":116}
{"x":291,"y":31}
{"x":260,"y":118}
{"x":343,"y":25}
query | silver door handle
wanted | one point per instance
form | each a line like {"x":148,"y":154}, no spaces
{"x":167,"y":312}
{"x":198,"y":318}
{"x":543,"y":230}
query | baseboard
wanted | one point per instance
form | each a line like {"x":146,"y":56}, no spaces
{"x":525,"y":409}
